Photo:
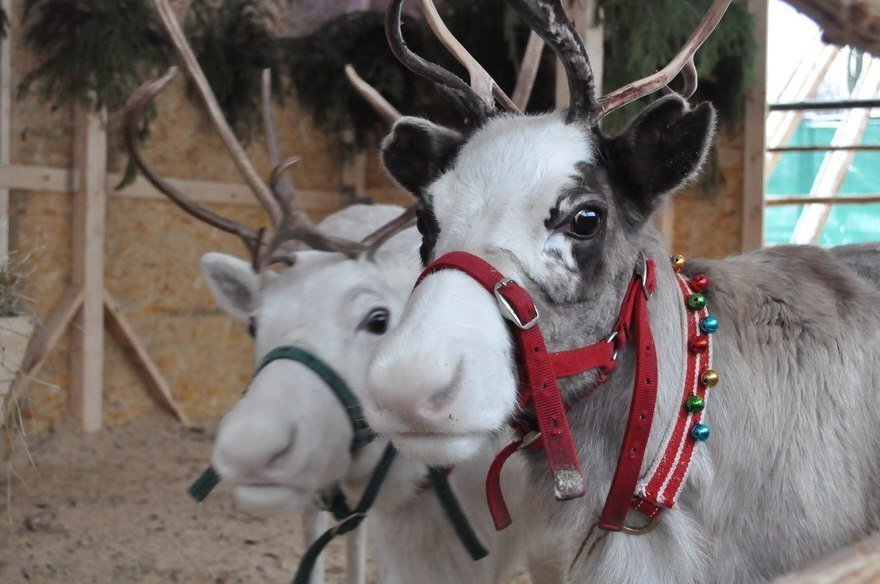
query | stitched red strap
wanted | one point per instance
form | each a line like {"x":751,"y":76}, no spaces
{"x":494,"y":495}
{"x":537,"y":377}
{"x":634,"y":322}
{"x":568,"y":363}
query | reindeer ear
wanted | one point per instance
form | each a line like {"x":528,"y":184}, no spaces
{"x":417,"y":151}
{"x":233,"y":283}
{"x":661,"y":150}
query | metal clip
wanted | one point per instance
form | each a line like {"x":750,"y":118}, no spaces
{"x":644,"y":529}
{"x":529,"y":439}
{"x":507,"y":310}
{"x":644,"y":274}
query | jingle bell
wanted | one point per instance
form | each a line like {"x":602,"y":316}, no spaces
{"x":678,"y":262}
{"x":709,"y":378}
{"x":699,"y":283}
{"x":700,"y":432}
{"x":696,"y":301}
{"x":709,"y":324}
{"x":699,"y":344}
{"x":695,"y":404}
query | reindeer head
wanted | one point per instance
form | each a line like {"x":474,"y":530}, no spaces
{"x":551,"y":202}
{"x":289,"y":436}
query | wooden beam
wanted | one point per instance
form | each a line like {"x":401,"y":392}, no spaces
{"x":128,"y":337}
{"x":87,"y":268}
{"x":43,"y":342}
{"x":752,"y":229}
{"x":5,"y":121}
{"x":835,"y":200}
{"x":61,"y":180}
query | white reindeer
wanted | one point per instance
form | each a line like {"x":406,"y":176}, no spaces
{"x":791,"y":469}
{"x":289,"y":438}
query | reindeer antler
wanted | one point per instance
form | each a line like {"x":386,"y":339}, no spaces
{"x":385,"y":110}
{"x":683,"y":60}
{"x":549,"y":19}
{"x":287,"y":215}
{"x":478,"y":98}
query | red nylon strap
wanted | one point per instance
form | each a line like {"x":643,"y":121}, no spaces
{"x":634,"y":322}
{"x":646,"y":508}
{"x":537,"y":373}
{"x":494,"y":495}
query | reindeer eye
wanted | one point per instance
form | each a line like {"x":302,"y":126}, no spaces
{"x":585,"y":223}
{"x":376,"y":322}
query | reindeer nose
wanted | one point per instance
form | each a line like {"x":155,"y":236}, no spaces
{"x":248,"y":450}
{"x":417,"y":390}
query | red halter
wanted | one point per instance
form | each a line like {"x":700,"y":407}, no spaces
{"x":539,"y":371}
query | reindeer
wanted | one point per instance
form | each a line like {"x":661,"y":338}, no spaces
{"x":549,"y":298}
{"x":289,"y":439}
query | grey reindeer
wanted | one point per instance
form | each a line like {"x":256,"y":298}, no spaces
{"x":790,"y":336}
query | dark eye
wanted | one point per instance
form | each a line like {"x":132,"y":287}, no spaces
{"x":252,"y":327}
{"x":585,"y":223}
{"x":376,"y":322}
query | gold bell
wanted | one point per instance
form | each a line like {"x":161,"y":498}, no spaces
{"x":709,"y":378}
{"x":678,"y":262}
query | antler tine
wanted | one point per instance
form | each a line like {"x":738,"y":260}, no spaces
{"x":549,"y":19}
{"x":385,"y":110}
{"x":481,"y":82}
{"x":131,"y":117}
{"x":261,"y":191}
{"x":462,"y":93}
{"x":295,"y":223}
{"x":531,"y":61}
{"x":282,"y":184}
{"x":648,"y":85}
{"x":379,"y":237}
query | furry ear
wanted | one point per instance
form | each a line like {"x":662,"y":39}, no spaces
{"x":416,"y":151}
{"x":233,"y":283}
{"x":661,"y":150}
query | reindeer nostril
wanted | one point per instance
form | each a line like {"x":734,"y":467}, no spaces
{"x":277,"y":459}
{"x":440,"y":399}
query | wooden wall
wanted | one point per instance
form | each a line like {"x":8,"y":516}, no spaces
{"x":153,"y":249}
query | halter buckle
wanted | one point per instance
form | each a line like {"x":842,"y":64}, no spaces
{"x":643,"y":529}
{"x":507,"y":310}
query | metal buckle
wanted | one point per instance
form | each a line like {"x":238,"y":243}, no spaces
{"x":507,"y":310}
{"x":350,"y":519}
{"x":644,"y":274}
{"x":644,"y":529}
{"x":529,"y":439}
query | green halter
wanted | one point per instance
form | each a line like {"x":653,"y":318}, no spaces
{"x":349,"y":519}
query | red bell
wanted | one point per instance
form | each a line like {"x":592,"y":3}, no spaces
{"x":699,"y":283}
{"x":699,"y":344}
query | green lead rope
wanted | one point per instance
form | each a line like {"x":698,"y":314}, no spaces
{"x":440,"y":479}
{"x":203,"y":485}
{"x":350,"y":523}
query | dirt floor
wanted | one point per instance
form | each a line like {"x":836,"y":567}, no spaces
{"x":112,"y":507}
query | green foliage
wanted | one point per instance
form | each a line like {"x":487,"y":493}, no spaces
{"x":642,"y":35}
{"x":234,"y":41}
{"x":315,"y":64}
{"x":92,"y":49}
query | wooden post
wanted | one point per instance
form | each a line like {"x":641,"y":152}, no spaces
{"x":752,"y":232}
{"x":87,"y":268}
{"x":5,"y":120}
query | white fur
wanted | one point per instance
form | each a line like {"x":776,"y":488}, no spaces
{"x":289,"y":438}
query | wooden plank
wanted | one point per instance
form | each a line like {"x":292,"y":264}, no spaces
{"x":61,"y":180}
{"x":5,"y":121}
{"x":856,"y":564}
{"x":43,"y":341}
{"x":87,"y":268}
{"x":835,"y":200}
{"x":752,"y":230}
{"x":128,"y":337}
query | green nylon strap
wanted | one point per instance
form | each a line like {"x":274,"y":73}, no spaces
{"x":363,"y":435}
{"x":440,"y":479}
{"x":350,"y":523}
